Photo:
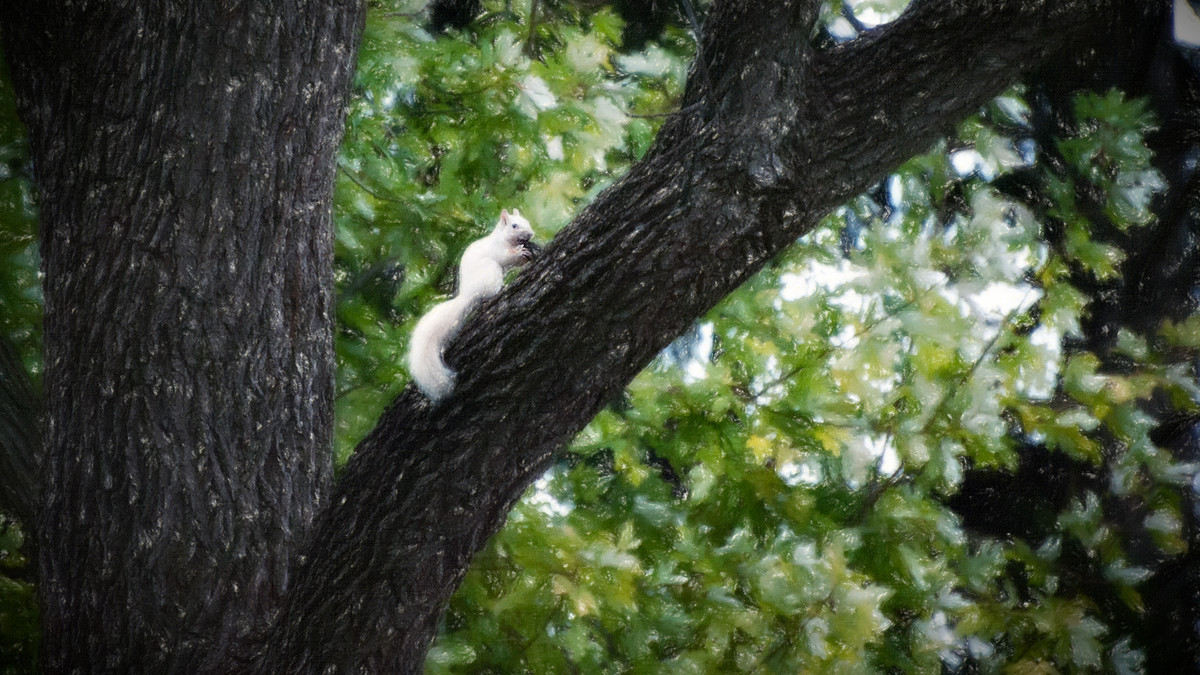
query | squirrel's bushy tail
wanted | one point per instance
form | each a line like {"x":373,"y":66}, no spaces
{"x":432,"y":333}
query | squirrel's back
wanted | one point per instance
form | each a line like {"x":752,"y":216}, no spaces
{"x":480,"y":275}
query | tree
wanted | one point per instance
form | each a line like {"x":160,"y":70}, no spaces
{"x":188,"y":323}
{"x":186,"y":470}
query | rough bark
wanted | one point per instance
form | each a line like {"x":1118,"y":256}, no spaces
{"x":775,"y":136}
{"x":184,"y":156}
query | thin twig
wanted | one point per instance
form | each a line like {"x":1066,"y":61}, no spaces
{"x":863,"y":331}
{"x":366,"y":189}
{"x":665,"y":114}
{"x":1001,"y":331}
{"x":700,"y":60}
{"x":849,"y":15}
{"x":530,"y":45}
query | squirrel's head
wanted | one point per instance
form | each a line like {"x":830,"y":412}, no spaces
{"x":514,"y":226}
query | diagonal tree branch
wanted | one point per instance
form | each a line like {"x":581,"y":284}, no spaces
{"x":784,"y":136}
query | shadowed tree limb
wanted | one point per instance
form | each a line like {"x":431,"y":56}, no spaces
{"x":20,"y":439}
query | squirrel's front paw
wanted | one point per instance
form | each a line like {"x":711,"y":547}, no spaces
{"x":529,"y":250}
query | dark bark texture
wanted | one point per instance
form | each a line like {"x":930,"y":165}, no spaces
{"x":20,"y":437}
{"x":184,"y":158}
{"x":775,"y":136}
{"x":184,"y":155}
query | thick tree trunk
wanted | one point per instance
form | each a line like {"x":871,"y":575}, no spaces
{"x":184,"y":154}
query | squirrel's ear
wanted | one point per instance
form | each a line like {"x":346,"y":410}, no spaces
{"x":517,"y":213}
{"x":504,"y":216}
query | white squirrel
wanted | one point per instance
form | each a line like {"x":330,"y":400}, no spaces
{"x":480,"y":276}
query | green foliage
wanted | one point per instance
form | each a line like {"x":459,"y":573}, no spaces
{"x":20,"y":324}
{"x":443,"y":133}
{"x":20,"y":287}
{"x":1112,"y":158}
{"x":19,"y":636}
{"x":769,"y":496}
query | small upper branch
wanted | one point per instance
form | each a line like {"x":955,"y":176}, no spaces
{"x":740,"y":36}
{"x":749,"y":60}
{"x":908,"y":83}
